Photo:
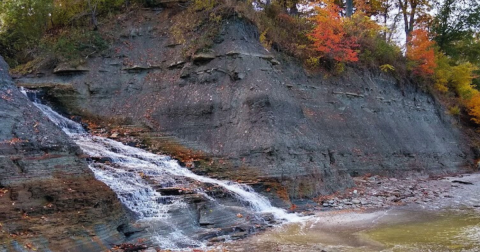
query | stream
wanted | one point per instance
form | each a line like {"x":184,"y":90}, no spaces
{"x":175,"y":209}
{"x":402,"y":229}
{"x":167,"y":200}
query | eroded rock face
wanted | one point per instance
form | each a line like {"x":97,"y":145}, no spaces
{"x":260,"y":118}
{"x":49,"y":198}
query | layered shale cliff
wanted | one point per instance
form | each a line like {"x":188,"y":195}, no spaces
{"x":49,"y":198}
{"x":251,"y":113}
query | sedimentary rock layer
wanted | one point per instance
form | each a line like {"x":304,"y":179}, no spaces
{"x":49,"y":198}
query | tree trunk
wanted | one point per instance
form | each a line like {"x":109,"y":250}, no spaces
{"x":349,"y":8}
{"x":93,"y":10}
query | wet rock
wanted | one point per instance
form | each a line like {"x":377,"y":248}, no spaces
{"x":268,"y":217}
{"x":173,"y":191}
{"x":218,"y":239}
{"x":238,"y":235}
{"x":49,"y":182}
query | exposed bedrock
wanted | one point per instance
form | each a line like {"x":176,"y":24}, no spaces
{"x":49,"y":198}
{"x":259,"y":113}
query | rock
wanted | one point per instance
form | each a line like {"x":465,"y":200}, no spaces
{"x":239,"y":76}
{"x":266,"y":57}
{"x":239,"y":235}
{"x":268,"y":217}
{"x":186,"y":71}
{"x":462,"y":182}
{"x":50,"y":182}
{"x":176,"y":64}
{"x":173,"y":191}
{"x":356,"y":201}
{"x":212,"y":115}
{"x":138,"y":68}
{"x":203,"y":57}
{"x":275,"y":62}
{"x":232,"y":53}
{"x":65,"y":69}
{"x":218,"y":239}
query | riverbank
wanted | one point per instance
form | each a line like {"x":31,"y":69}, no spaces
{"x":415,"y":214}
{"x":442,"y":215}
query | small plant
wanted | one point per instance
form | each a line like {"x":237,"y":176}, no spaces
{"x":454,"y":110}
{"x":77,"y":45}
{"x":313,"y":62}
{"x":387,"y":68}
{"x":263,"y":39}
{"x":199,"y":5}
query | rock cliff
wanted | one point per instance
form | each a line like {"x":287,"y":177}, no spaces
{"x":49,"y":198}
{"x":257,"y":114}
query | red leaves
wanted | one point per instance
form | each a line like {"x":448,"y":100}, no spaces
{"x":329,"y":37}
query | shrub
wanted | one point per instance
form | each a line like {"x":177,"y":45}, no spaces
{"x":420,"y":54}
{"x":329,"y":35}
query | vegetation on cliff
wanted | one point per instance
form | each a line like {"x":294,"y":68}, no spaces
{"x":441,"y":49}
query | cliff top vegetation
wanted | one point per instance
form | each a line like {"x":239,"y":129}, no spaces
{"x":434,"y":42}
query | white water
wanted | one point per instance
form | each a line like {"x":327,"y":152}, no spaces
{"x":128,"y":167}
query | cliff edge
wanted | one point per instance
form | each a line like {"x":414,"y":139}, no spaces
{"x":255,"y":114}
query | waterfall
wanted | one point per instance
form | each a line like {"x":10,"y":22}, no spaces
{"x":133,"y":173}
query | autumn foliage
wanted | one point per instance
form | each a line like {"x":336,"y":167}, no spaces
{"x":329,"y":36}
{"x":421,"y":54}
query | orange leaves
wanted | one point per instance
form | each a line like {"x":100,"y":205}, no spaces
{"x":420,"y":53}
{"x":13,"y":141}
{"x":3,"y":191}
{"x":473,"y":106}
{"x":329,"y":36}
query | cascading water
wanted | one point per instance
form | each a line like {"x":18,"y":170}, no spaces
{"x":134,"y":174}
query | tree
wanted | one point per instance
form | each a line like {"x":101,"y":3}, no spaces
{"x":349,"y":8}
{"x":22,"y":22}
{"x":411,"y":10}
{"x":329,"y":37}
{"x":420,"y":53}
{"x":456,"y":20}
